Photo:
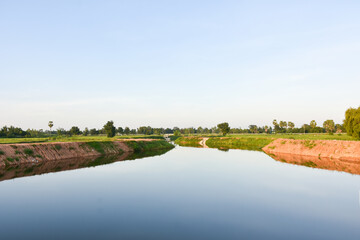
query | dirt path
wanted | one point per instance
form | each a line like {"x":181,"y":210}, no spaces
{"x":203,"y":142}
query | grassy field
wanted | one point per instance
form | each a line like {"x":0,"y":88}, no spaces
{"x":252,"y":141}
{"x":75,"y":139}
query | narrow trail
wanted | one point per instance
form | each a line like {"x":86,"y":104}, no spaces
{"x":203,"y":142}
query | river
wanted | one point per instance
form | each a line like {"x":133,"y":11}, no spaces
{"x":186,"y":193}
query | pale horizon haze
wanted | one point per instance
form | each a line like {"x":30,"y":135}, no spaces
{"x":177,"y":63}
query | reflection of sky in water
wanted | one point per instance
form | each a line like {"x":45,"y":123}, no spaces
{"x":187,"y":193}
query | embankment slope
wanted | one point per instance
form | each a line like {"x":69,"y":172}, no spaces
{"x":331,"y":149}
{"x":14,"y":154}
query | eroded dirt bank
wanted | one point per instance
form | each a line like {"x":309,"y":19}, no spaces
{"x":330,"y":149}
{"x":15,"y":154}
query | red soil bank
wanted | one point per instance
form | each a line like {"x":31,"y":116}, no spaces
{"x":330,"y":149}
{"x":42,"y":152}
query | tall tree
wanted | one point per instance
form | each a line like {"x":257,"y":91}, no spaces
{"x":75,"y":131}
{"x":352,"y":122}
{"x":86,"y":132}
{"x":313,"y":124}
{"x":224,"y":128}
{"x":50,"y":124}
{"x":109,"y":129}
{"x":329,"y":126}
{"x":291,"y":125}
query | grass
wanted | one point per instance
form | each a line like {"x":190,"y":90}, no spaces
{"x":255,"y":144}
{"x":189,"y":141}
{"x":309,"y":164}
{"x":28,"y":151}
{"x":256,"y":141}
{"x":57,"y":147}
{"x":309,"y":144}
{"x":75,"y":139}
{"x":101,"y":146}
{"x":141,"y":146}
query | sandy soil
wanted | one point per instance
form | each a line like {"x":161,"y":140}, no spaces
{"x":330,"y":149}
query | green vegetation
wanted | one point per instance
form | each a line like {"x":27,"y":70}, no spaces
{"x":224,"y":128}
{"x":352,"y":122}
{"x":329,"y":126}
{"x":255,"y":141}
{"x":309,"y":164}
{"x":255,"y":144}
{"x":141,"y":146}
{"x":101,"y":146}
{"x":309,"y":144}
{"x":57,"y":147}
{"x":2,"y":152}
{"x":28,"y":151}
{"x":110,"y":129}
{"x":189,"y":141}
{"x":10,"y":159}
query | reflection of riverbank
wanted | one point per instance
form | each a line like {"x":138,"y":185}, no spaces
{"x":31,"y":169}
{"x":349,"y":166}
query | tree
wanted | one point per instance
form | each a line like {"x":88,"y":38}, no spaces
{"x":120,"y":130}
{"x":50,"y":124}
{"x":352,"y":122}
{"x":127,"y":131}
{"x":86,"y":132}
{"x":253,"y":128}
{"x":109,"y":129}
{"x":291,"y":125}
{"x":283,"y":124}
{"x":94,"y":132}
{"x":329,"y":126}
{"x":75,"y":131}
{"x":313,"y":124}
{"x":224,"y":128}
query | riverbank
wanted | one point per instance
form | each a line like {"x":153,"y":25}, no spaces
{"x":330,"y":149}
{"x":322,"y":149}
{"x":244,"y":143}
{"x":25,"y":153}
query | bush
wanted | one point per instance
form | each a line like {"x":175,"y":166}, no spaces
{"x":28,"y":151}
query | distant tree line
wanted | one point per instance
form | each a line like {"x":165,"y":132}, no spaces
{"x":351,"y":125}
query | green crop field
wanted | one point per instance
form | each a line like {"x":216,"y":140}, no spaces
{"x":75,"y":139}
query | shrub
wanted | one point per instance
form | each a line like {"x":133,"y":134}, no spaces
{"x":28,"y":151}
{"x":2,"y":152}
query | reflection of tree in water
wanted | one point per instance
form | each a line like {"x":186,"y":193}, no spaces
{"x":23,"y":170}
{"x":350,"y":166}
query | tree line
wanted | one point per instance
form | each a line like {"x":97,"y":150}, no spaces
{"x":351,"y":125}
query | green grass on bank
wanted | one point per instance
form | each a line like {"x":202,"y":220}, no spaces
{"x":75,"y":139}
{"x":147,"y":146}
{"x":307,"y":136}
{"x":255,"y":144}
{"x":189,"y":141}
{"x":252,"y":141}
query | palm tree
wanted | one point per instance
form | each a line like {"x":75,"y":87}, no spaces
{"x":50,"y":124}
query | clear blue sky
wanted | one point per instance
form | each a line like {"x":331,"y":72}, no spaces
{"x":177,"y":63}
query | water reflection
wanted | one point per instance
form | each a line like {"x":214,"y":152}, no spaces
{"x":32,"y":169}
{"x":342,"y":165}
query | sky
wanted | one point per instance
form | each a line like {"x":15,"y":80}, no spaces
{"x":177,"y":63}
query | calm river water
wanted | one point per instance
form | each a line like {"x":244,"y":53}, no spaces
{"x":187,"y":193}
